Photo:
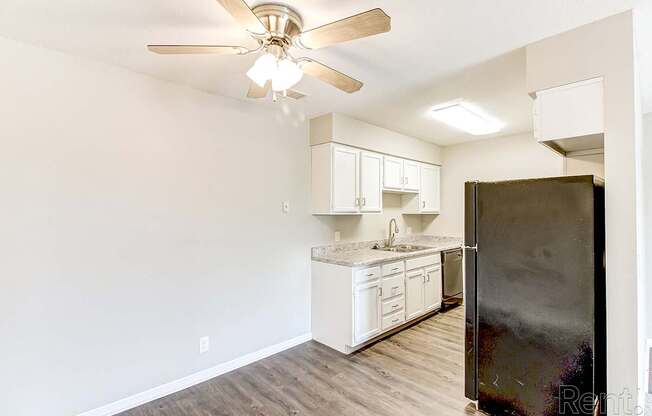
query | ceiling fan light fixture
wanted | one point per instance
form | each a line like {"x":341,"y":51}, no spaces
{"x":287,"y":75}
{"x":263,"y":69}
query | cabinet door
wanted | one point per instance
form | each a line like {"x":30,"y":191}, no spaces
{"x":366,"y":302}
{"x":432,"y":288}
{"x":345,"y":179}
{"x":371,"y":194}
{"x":429,"y":193}
{"x":414,"y":294}
{"x":393,"y":173}
{"x":412,"y":181}
{"x":573,"y":110}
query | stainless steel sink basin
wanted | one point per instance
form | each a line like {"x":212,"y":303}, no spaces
{"x":402,"y":248}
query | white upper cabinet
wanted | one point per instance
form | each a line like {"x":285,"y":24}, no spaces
{"x":411,"y":176}
{"x":393,"y":173}
{"x":571,"y":117}
{"x":345,"y":179}
{"x":371,"y":196}
{"x":401,"y":175}
{"x":351,"y":181}
{"x":430,"y":189}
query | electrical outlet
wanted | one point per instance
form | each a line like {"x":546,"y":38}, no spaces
{"x":286,"y":207}
{"x":337,"y":236}
{"x":204,"y":344}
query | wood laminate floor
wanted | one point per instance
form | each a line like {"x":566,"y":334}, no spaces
{"x":418,"y":371}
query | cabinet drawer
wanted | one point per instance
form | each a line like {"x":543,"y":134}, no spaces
{"x":393,"y":320}
{"x":366,"y":275}
{"x":393,"y":305}
{"x":424,"y":261}
{"x":393,"y":286}
{"x":393,"y":268}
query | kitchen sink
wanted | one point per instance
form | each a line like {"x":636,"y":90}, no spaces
{"x":402,"y":248}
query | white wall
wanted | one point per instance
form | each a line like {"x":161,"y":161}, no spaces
{"x":606,"y":48}
{"x":647,"y":206}
{"x":511,"y":157}
{"x":137,"y":216}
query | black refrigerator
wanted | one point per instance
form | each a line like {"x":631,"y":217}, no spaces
{"x":535,"y":306}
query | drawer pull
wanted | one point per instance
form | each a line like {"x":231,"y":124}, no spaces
{"x":395,"y":306}
{"x":395,"y":287}
{"x":395,"y":320}
{"x":395,"y":268}
{"x":369,"y":274}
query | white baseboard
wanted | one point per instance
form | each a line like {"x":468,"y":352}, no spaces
{"x":196,"y":378}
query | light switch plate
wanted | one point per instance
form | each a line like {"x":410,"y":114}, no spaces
{"x":286,"y":207}
{"x":337,"y":236}
{"x":204,"y":344}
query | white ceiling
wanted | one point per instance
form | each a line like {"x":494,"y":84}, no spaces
{"x":415,"y":66}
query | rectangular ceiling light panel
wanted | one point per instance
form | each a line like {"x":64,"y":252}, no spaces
{"x":461,"y":117}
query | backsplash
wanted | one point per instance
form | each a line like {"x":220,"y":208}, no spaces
{"x":375,"y":226}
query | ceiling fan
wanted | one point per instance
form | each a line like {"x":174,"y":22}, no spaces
{"x":278,"y":28}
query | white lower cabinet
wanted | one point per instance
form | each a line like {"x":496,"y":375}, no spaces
{"x":367,"y":311}
{"x":352,"y":305}
{"x":414,"y":293}
{"x":432,"y":292}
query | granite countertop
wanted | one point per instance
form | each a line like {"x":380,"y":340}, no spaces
{"x":362,"y":254}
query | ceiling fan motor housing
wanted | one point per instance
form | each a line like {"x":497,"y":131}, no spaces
{"x":282,"y":23}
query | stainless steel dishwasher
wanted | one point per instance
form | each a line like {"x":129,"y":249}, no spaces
{"x":452,"y":279}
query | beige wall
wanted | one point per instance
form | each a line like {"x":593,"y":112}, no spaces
{"x":512,"y":157}
{"x":606,"y":48}
{"x":136,"y":217}
{"x":376,"y":226}
{"x":585,"y":165}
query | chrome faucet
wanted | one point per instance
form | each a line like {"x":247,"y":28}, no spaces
{"x":392,"y":235}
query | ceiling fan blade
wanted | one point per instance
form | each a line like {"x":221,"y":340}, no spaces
{"x":255,"y":91}
{"x":295,"y":94}
{"x":365,"y":24}
{"x":196,"y":49}
{"x":243,"y":15}
{"x":330,"y":75}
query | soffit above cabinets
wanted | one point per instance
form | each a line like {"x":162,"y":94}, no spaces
{"x":338,"y":128}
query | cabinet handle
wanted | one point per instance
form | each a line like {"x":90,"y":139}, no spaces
{"x":407,"y":180}
{"x":364,"y":201}
{"x":394,"y":269}
{"x":380,"y":291}
{"x":424,"y":279}
{"x":423,"y":204}
{"x":370,"y":274}
{"x":394,"y":306}
{"x":357,"y":202}
{"x":395,"y":287}
{"x":428,"y":277}
{"x":395,"y":321}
